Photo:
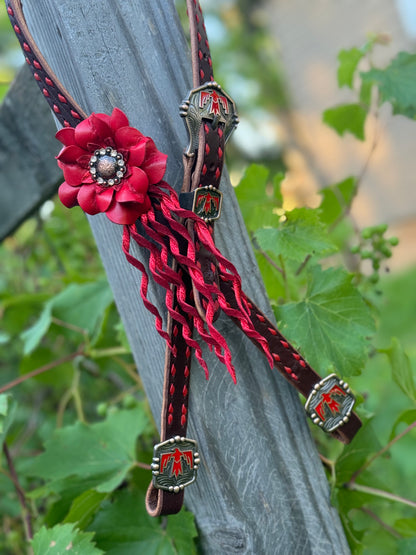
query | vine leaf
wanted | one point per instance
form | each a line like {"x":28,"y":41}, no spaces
{"x":299,"y":235}
{"x":336,"y":199}
{"x":81,"y":305}
{"x":396,"y":83}
{"x":8,"y":408}
{"x":257,"y":209}
{"x":331,"y":324}
{"x":347,"y":118}
{"x":401,"y":368}
{"x":101,"y":453}
{"x":348,"y":62}
{"x":62,"y":538}
{"x":123,"y":526}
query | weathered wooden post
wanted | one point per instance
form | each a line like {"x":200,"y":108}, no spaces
{"x":261,"y":487}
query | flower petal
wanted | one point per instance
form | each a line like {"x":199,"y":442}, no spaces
{"x":154,"y":163}
{"x":103,"y":198}
{"x":71,"y":154}
{"x":66,"y":136}
{"x":68,"y":195}
{"x":118,"y":119}
{"x":126,"y":137}
{"x":125,"y":213}
{"x":136,"y":154}
{"x":75,"y":175}
{"x":127,"y":195}
{"x":87,"y":199}
{"x":93,"y":130}
{"x":138,"y":181}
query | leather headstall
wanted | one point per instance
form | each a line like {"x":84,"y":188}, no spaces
{"x":101,"y":156}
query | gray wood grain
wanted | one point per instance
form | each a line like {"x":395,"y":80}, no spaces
{"x":28,"y":175}
{"x":261,"y":488}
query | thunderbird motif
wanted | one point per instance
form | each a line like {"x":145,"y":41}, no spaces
{"x":175,"y":464}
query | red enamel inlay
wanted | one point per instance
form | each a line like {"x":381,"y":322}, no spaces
{"x":45,"y":92}
{"x":207,"y":43}
{"x":183,"y":420}
{"x":272,"y":331}
{"x":296,"y":356}
{"x":170,"y":409}
{"x":204,"y":169}
{"x":37,"y":77}
{"x":67,"y":124}
{"x":175,"y":331}
{"x":285,"y":344}
{"x":199,"y":37}
{"x":28,"y":61}
{"x":173,"y":370}
{"x":172,"y":389}
{"x":62,"y":98}
{"x":294,"y":377}
{"x":197,"y":18}
{"x":26,"y":47}
{"x":170,"y":419}
{"x":201,"y":74}
{"x":184,"y":409}
{"x":302,"y":363}
{"x":17,"y":29}
{"x":188,"y":352}
{"x":185,"y":391}
{"x":49,"y":82}
{"x":186,"y":372}
{"x":174,"y":350}
{"x":210,"y":65}
{"x":207,"y":149}
{"x":10,"y":11}
{"x":218,"y":173}
{"x":56,"y":109}
{"x":276,"y":357}
{"x":75,"y":114}
{"x":200,"y":54}
{"x":220,"y":152}
{"x":288,"y":370}
{"x":220,"y":132}
{"x":37,"y":64}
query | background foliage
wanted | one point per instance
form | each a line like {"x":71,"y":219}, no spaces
{"x":74,"y":420}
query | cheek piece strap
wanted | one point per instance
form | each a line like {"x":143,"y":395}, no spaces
{"x":111,"y":167}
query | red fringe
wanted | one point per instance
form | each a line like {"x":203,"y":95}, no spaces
{"x":164,"y":241}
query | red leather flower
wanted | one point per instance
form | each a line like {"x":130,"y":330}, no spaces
{"x":108,"y":167}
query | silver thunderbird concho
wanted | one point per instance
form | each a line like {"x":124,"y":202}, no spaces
{"x":207,"y":102}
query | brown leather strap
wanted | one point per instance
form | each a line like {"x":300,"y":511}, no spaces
{"x":67,"y":111}
{"x":203,"y":169}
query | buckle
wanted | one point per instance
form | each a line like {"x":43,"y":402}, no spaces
{"x":175,"y":464}
{"x":330,"y":403}
{"x":208,"y":102}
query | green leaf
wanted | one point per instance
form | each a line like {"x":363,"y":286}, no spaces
{"x":123,"y":527}
{"x":336,"y":200}
{"x":82,"y":306}
{"x":8,"y":408}
{"x":406,"y":417}
{"x":257,"y":201}
{"x":102,"y":453}
{"x":84,"y":507}
{"x":397,"y":83}
{"x":331,"y":324}
{"x":348,"y":62}
{"x":354,"y":455}
{"x":33,"y":335}
{"x":406,"y":527}
{"x":407,"y":546}
{"x":62,"y":539}
{"x":401,"y":368}
{"x":347,"y":118}
{"x":300,"y":235}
